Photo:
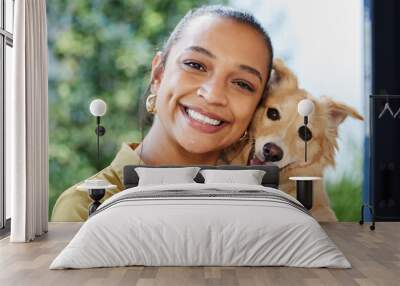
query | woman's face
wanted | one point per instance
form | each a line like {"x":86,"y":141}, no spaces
{"x":211,"y":84}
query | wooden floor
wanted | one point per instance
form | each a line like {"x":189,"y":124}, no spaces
{"x":374,"y":255}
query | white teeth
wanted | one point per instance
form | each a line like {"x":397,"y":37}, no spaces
{"x":202,"y":118}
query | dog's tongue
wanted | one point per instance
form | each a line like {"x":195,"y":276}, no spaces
{"x":256,"y":161}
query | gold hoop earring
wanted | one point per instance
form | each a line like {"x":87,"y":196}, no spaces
{"x":151,"y":103}
{"x":244,"y":136}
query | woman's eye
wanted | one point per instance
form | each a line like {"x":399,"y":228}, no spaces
{"x":273,"y":114}
{"x":196,"y":66}
{"x":244,"y":85}
{"x":305,"y":133}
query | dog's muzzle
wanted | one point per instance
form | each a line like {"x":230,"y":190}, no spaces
{"x":272,"y":152}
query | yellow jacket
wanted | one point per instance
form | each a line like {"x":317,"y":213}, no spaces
{"x":73,"y":204}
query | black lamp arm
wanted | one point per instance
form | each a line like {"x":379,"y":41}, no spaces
{"x":100,"y":131}
{"x":305,"y":136}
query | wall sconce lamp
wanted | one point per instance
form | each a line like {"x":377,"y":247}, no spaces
{"x":305,"y":107}
{"x":98,"y":108}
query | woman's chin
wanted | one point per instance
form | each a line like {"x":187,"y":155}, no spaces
{"x":201,"y":146}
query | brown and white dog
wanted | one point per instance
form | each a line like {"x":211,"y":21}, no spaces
{"x":275,"y":137}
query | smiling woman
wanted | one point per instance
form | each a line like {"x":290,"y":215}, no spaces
{"x":205,"y":86}
{"x":206,"y":83}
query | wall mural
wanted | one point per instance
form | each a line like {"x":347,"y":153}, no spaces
{"x":206,"y":94}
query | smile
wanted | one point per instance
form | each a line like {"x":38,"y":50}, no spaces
{"x":202,"y":118}
{"x":203,"y":121}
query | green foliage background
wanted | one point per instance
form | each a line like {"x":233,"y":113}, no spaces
{"x":100,"y":49}
{"x":103,"y":49}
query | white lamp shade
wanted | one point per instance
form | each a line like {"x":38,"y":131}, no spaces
{"x":98,"y":107}
{"x":305,"y":107}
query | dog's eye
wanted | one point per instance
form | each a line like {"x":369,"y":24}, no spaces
{"x":273,"y":114}
{"x":305,"y":133}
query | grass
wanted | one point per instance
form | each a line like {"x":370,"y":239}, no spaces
{"x":346,"y":196}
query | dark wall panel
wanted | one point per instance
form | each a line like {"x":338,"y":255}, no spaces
{"x":386,"y":46}
{"x":385,"y":126}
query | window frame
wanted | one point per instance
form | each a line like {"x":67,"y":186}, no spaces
{"x":6,"y":39}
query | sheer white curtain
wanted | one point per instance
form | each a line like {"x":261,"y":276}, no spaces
{"x":27,"y":124}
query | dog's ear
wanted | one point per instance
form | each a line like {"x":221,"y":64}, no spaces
{"x":338,"y":112}
{"x":282,"y":77}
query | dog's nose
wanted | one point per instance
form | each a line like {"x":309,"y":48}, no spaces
{"x":272,"y":152}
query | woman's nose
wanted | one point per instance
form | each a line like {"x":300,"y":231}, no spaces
{"x":213,"y":91}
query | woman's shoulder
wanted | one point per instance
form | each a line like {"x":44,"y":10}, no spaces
{"x":127,"y":155}
{"x":71,"y":205}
